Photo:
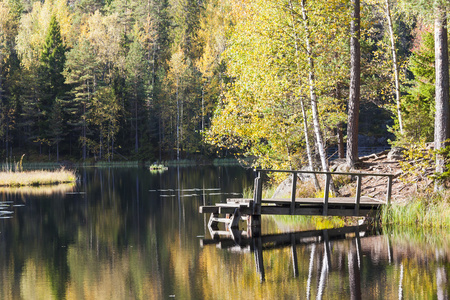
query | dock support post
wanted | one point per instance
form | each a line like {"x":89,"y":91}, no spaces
{"x":294,"y":190}
{"x":358,"y":194}
{"x":257,"y":195}
{"x":389,"y":190}
{"x":326,"y":194}
{"x":235,"y":218}
{"x":255,"y":218}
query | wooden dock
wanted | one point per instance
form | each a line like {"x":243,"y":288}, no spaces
{"x":235,"y":209}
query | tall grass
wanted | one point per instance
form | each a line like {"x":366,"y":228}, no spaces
{"x":35,"y":178}
{"x":426,"y":209}
{"x":267,"y":192}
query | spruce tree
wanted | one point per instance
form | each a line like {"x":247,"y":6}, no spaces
{"x":51,"y":79}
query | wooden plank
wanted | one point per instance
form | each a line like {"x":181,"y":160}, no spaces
{"x":239,"y":200}
{"x":208,"y":209}
{"x":333,"y":200}
{"x":326,"y":194}
{"x":235,"y":205}
{"x":321,"y":172}
{"x":221,"y":220}
{"x":315,"y":211}
{"x":257,"y":195}
{"x":235,"y":218}
{"x":358,"y":194}
{"x":293,"y":192}
{"x":230,"y":210}
{"x":389,"y":190}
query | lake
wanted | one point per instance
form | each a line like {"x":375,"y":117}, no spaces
{"x":127,"y":233}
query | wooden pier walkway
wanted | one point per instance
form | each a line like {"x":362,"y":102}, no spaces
{"x":235,"y":209}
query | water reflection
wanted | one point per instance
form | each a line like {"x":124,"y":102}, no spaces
{"x":355,"y":262}
{"x":252,"y":241}
{"x":43,"y":190}
{"x":113,"y":238}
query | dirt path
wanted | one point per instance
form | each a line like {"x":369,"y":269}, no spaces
{"x":376,"y":186}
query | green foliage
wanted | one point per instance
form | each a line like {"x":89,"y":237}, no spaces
{"x":51,"y":83}
{"x":418,"y":105}
{"x":219,"y":78}
{"x":417,"y":163}
{"x":260,"y":115}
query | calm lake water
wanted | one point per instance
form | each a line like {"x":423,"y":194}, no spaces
{"x":130,"y":234}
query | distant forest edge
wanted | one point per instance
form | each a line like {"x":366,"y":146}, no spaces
{"x":179,"y":79}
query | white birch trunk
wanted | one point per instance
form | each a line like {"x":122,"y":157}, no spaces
{"x":315,"y":113}
{"x":395,"y":65}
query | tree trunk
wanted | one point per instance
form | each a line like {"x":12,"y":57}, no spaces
{"x":302,"y":105}
{"x":339,"y":129}
{"x":178,"y":122}
{"x":312,"y":91}
{"x":355,"y":82}
{"x":308,"y":146}
{"x":84,"y":132}
{"x":395,"y":65}
{"x":203,"y":107}
{"x":340,"y":134}
{"x":136,"y":135}
{"x":101,"y":143}
{"x":441,"y":123}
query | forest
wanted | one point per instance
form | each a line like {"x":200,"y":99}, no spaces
{"x":173,"y":79}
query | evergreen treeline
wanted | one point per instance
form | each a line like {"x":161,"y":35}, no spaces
{"x":108,"y":79}
{"x":114,"y":79}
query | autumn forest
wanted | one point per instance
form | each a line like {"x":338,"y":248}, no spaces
{"x":171,"y":79}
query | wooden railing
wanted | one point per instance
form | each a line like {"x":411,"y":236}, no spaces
{"x":257,"y":195}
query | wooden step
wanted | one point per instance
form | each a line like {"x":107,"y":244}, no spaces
{"x":221,"y":220}
{"x":208,"y":209}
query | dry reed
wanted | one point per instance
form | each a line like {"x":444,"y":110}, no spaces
{"x":35,"y":178}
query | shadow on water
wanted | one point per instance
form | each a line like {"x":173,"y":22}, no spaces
{"x":130,"y":234}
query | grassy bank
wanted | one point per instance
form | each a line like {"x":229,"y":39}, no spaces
{"x":36,"y":178}
{"x":425,"y":209}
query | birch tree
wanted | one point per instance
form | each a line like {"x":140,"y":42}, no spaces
{"x":395,"y":64}
{"x":355,"y":86}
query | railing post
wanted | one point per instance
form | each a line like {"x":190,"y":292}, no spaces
{"x":389,"y":190}
{"x":358,"y":194}
{"x":294,"y":190}
{"x":257,"y":195}
{"x":325,"y":195}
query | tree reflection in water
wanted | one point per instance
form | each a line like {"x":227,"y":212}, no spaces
{"x":130,"y":234}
